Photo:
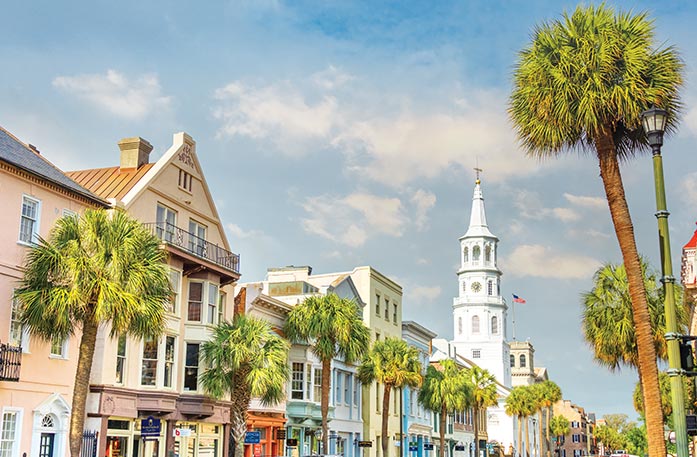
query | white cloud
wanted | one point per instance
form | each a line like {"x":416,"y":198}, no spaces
{"x":239,"y":232}
{"x":688,"y":187}
{"x":278,"y":113}
{"x":565,"y":214}
{"x":422,"y":261}
{"x":116,"y":94}
{"x":351,"y":220}
{"x":331,"y":78}
{"x":544,"y":262}
{"x":586,"y":202}
{"x":420,"y":294}
{"x":423,"y":201}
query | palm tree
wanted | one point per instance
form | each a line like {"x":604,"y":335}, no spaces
{"x":445,"y":390}
{"x":333,"y":326}
{"x":583,"y":83}
{"x":484,"y":394}
{"x":521,"y":404}
{"x":245,"y":359}
{"x":559,"y":426}
{"x":394,"y":364}
{"x":607,"y":316}
{"x":550,"y":394}
{"x":100,"y":268}
{"x":666,"y":403}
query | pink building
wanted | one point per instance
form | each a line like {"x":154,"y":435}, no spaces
{"x":36,"y":377}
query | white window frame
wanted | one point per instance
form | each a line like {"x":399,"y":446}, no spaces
{"x":198,"y":366}
{"x":212,"y":303}
{"x":37,"y":220}
{"x":23,"y":340}
{"x":63,"y":350}
{"x":300,"y":379}
{"x":188,"y":300}
{"x":176,"y":289}
{"x":123,"y":356}
{"x":173,"y":362}
{"x":143,"y":359}
{"x":17,"y":439}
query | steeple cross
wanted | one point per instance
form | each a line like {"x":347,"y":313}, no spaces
{"x":478,"y":170}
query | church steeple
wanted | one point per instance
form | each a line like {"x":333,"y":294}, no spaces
{"x":478,"y":226}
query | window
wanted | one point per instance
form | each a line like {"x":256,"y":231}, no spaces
{"x":522,"y":361}
{"x":120,"y":359}
{"x":387,"y":310}
{"x":29,"y":222}
{"x":459,"y":325}
{"x":221,"y":307}
{"x":213,"y":304}
{"x":296,"y":383}
{"x":68,"y":213}
{"x":170,"y":344}
{"x":166,"y":219}
{"x":378,"y":405}
{"x":475,"y":324}
{"x":337,"y":387}
{"x":308,"y":384}
{"x":490,"y":287}
{"x":465,"y":255}
{"x":8,"y":434}
{"x":476,"y":353}
{"x":59,"y":348}
{"x":411,"y":402}
{"x":512,"y":360}
{"x":356,"y":390}
{"x":191,"y":368}
{"x":197,"y":238}
{"x":377,"y":336}
{"x":394,"y":401}
{"x":16,"y":329}
{"x":577,"y":453}
{"x":487,"y":253}
{"x":575,"y":438}
{"x":494,"y":325}
{"x":347,"y":388}
{"x":195,"y":300}
{"x":394,"y":313}
{"x":185,"y":180}
{"x":317,"y":385}
{"x":476,"y":253}
{"x":377,"y":304}
{"x":175,"y":278}
{"x":464,"y":286}
{"x":148,"y":376}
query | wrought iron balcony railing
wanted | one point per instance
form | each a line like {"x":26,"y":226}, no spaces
{"x":177,"y":236}
{"x":10,"y":362}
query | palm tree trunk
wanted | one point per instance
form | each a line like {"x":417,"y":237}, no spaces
{"x":240,"y":398}
{"x":443,"y":413}
{"x":541,"y":441}
{"x":622,"y":221}
{"x":527,"y":437}
{"x":82,"y":384}
{"x":385,"y":416}
{"x":520,"y":436}
{"x":475,"y":412}
{"x":324,"y":406}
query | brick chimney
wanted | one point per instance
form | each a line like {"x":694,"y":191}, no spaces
{"x":134,"y":152}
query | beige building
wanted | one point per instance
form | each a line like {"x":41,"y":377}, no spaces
{"x":579,"y":441}
{"x":36,"y":378}
{"x":133,"y":380}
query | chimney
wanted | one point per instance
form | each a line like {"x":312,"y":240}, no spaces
{"x":134,"y":152}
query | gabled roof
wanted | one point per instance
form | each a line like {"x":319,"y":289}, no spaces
{"x":692,"y":243}
{"x":110,"y":182}
{"x":20,"y":155}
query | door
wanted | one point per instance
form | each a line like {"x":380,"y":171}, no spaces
{"x":46,"y":444}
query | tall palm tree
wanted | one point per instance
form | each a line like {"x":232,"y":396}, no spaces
{"x":583,"y":83}
{"x":607,"y":316}
{"x":559,"y":426}
{"x":666,"y":403}
{"x":95,"y":269}
{"x":245,"y":359}
{"x":394,"y":364}
{"x":521,"y":404}
{"x":484,"y":394}
{"x":550,"y":394}
{"x":445,"y":390}
{"x":333,"y":327}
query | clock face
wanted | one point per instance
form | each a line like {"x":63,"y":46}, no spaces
{"x":476,"y":287}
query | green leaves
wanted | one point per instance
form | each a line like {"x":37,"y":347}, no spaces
{"x":391,"y":362}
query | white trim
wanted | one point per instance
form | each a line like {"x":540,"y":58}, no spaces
{"x":18,"y":426}
{"x":55,"y":405}
{"x":37,"y":222}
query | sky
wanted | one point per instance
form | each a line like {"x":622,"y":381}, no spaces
{"x":338,"y":133}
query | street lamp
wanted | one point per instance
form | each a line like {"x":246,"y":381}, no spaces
{"x":654,"y":123}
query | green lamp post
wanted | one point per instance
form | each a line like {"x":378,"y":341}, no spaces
{"x":654,"y":122}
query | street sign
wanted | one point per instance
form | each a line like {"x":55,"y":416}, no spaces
{"x":365,"y":444}
{"x":252,"y":437}
{"x":428,"y":446}
{"x":150,"y":427}
{"x":292,"y":442}
{"x":413,"y":446}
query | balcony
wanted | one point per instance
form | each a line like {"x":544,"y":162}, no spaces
{"x":10,"y":362}
{"x":197,"y":253}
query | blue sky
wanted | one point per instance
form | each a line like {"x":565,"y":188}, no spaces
{"x":338,"y":134}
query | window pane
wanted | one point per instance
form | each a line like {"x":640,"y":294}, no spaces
{"x":120,"y":359}
{"x":149,"y":369}
{"x":191,"y":368}
{"x":195,"y":300}
{"x":212,"y":304}
{"x":169,"y":360}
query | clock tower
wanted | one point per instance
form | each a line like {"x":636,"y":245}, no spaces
{"x":479,"y":312}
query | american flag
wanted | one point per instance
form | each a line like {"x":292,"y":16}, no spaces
{"x":517,"y":299}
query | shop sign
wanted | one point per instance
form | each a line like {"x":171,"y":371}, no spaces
{"x":257,"y":450}
{"x":292,"y":442}
{"x":150,"y":427}
{"x":365,"y":444}
{"x":252,"y":437}
{"x":181,"y":432}
{"x":428,"y":446}
{"x":413,"y":446}
{"x":280,"y":433}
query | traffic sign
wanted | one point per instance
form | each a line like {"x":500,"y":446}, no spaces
{"x":252,"y":437}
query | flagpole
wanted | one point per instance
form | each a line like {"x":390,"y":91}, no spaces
{"x":513,"y":314}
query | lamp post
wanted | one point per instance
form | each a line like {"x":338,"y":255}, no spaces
{"x":654,"y":122}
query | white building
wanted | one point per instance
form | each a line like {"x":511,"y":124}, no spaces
{"x":480,"y":312}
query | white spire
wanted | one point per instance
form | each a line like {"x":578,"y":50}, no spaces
{"x":478,"y":225}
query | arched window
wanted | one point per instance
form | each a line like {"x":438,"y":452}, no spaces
{"x":475,"y":324}
{"x":464,"y":286}
{"x":476,"y":253}
{"x":487,"y":253}
{"x":47,"y":421}
{"x":522,"y":360}
{"x":512,"y":360}
{"x":465,"y":255}
{"x":490,"y":287}
{"x":459,"y":326}
{"x":494,"y":325}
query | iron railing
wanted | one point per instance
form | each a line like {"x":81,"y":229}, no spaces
{"x":177,"y":236}
{"x":90,"y":439}
{"x":10,"y":362}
